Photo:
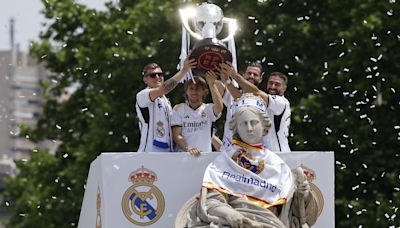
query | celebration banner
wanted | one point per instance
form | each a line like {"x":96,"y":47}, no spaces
{"x":149,"y":189}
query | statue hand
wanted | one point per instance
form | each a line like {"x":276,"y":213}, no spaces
{"x":303,"y":186}
{"x":232,"y":217}
{"x":235,"y":219}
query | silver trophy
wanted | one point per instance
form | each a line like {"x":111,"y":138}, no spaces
{"x":209,"y":51}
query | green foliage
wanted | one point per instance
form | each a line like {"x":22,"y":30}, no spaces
{"x":340,"y":56}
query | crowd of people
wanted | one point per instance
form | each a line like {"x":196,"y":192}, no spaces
{"x":189,"y":126}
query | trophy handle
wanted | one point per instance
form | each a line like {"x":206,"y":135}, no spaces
{"x":185,"y":15}
{"x":232,"y":28}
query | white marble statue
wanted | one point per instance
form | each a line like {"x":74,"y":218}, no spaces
{"x":250,"y":186}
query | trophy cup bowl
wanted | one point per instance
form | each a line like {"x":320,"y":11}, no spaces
{"x":209,"y":51}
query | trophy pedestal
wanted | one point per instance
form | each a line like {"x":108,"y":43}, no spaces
{"x":209,"y":53}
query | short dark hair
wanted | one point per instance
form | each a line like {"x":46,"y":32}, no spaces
{"x":150,"y":66}
{"x":281,"y":75}
{"x":254,"y":64}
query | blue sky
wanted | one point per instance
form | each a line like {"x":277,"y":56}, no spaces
{"x":28,"y":19}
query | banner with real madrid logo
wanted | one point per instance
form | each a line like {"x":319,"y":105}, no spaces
{"x":150,"y":189}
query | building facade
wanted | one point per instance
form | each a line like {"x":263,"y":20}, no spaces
{"x":20,"y":102}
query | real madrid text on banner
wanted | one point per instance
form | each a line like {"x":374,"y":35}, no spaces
{"x":143,"y":203}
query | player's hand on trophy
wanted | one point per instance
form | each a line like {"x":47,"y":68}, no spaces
{"x":222,"y":74}
{"x":211,"y":76}
{"x":188,"y":64}
{"x":228,"y":69}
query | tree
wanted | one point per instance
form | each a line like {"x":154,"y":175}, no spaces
{"x":101,"y":54}
{"x":343,"y":78}
{"x":339,"y":57}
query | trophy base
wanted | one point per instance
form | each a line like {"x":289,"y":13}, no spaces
{"x":209,"y":53}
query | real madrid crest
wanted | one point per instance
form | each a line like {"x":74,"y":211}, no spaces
{"x":143,"y":203}
{"x":160,"y":129}
{"x":244,"y":159}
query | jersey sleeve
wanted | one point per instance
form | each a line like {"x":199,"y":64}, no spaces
{"x":276,"y":104}
{"x":143,"y":98}
{"x":227,"y":98}
{"x":176,"y":115}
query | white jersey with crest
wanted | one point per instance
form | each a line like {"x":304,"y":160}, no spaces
{"x":278,"y":111}
{"x":229,"y":103}
{"x":197,"y":125}
{"x":146,"y":109}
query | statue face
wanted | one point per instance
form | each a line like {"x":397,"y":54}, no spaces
{"x":249,"y":128}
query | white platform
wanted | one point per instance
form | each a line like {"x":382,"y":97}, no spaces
{"x":179,"y":177}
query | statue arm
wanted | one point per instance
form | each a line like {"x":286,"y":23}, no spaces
{"x":305,"y":200}
{"x":217,"y":205}
{"x":311,"y":209}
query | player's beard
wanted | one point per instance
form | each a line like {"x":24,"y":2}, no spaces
{"x":273,"y":92}
{"x":254,"y":82}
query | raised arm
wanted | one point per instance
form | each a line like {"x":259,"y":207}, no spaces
{"x":224,"y":75}
{"x":216,"y":96}
{"x":172,"y":82}
{"x":181,"y":142}
{"x":246,"y":86}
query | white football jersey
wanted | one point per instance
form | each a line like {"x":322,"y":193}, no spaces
{"x":196,"y":125}
{"x":146,"y":111}
{"x":278,"y":111}
{"x":228,"y":101}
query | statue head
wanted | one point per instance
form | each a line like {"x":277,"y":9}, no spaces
{"x":250,"y":121}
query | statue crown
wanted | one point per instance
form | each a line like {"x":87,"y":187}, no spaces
{"x":249,"y":99}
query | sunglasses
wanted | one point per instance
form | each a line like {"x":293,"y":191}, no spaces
{"x":154,"y":74}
